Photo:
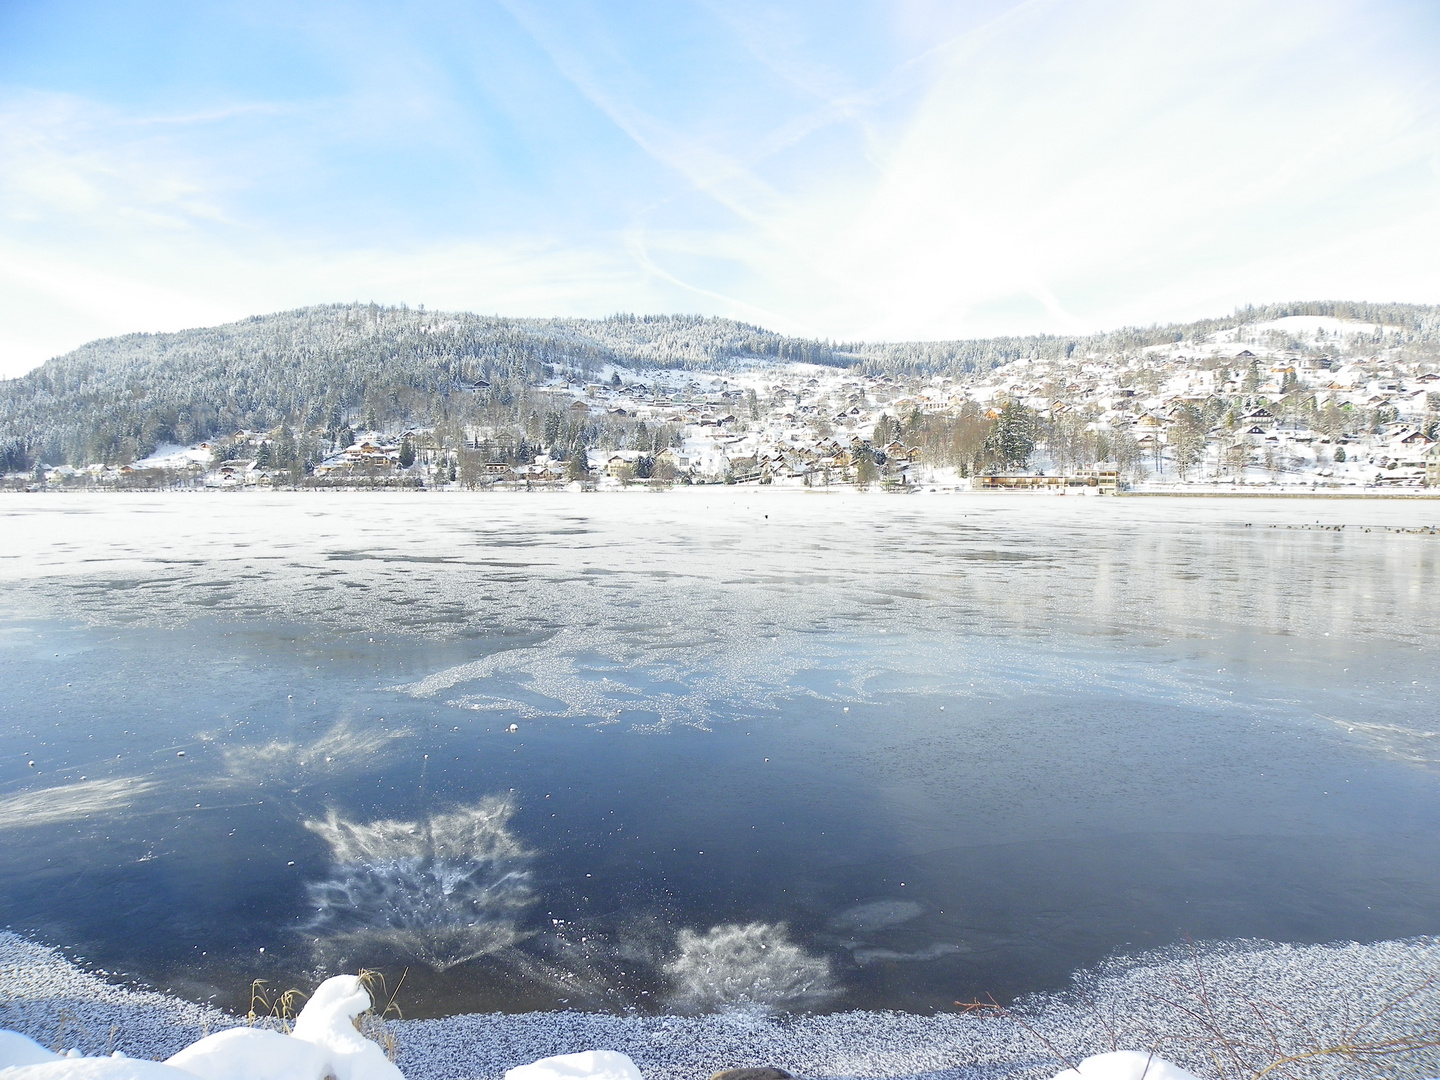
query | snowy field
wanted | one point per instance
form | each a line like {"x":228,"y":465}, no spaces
{"x":745,"y":777}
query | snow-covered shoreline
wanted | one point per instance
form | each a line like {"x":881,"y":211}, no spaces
{"x":1306,"y":994}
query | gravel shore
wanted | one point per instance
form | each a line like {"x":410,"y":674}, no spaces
{"x":1265,"y":998}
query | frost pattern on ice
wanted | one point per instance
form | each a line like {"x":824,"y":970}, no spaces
{"x":754,"y":967}
{"x":71,"y":802}
{"x":1418,"y":745}
{"x":345,"y":745}
{"x":443,"y":891}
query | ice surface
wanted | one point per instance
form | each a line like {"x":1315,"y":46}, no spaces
{"x":1150,"y":727}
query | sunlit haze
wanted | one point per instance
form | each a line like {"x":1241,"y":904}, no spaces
{"x":843,"y":169}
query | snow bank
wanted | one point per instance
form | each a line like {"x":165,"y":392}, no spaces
{"x":325,"y":1043}
{"x":1125,"y":1065}
{"x":111,"y":1068}
{"x":252,"y":1054}
{"x":590,"y":1065}
{"x":16,"y":1049}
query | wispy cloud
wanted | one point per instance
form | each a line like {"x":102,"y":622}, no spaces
{"x":869,"y":170}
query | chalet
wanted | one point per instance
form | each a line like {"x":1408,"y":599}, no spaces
{"x":1415,"y":438}
{"x":1432,"y":466}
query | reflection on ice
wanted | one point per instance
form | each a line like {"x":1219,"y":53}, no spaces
{"x":857,"y":924}
{"x":441,"y":892}
{"x":567,"y":677}
{"x":876,"y":915}
{"x":750,"y":967}
{"x":937,"y":951}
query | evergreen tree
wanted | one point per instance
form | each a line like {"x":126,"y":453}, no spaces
{"x":1187,"y":439}
{"x":866,"y":472}
{"x":1012,"y":439}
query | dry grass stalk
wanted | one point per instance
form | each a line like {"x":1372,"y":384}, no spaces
{"x":1274,"y":1043}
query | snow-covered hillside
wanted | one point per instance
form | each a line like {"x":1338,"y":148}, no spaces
{"x":365,"y":396}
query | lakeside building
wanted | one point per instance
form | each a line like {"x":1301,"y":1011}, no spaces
{"x":1103,"y":479}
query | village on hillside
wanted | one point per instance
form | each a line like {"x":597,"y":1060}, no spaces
{"x":1303,"y":402}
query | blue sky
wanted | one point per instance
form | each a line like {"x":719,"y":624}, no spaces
{"x":911,"y":169}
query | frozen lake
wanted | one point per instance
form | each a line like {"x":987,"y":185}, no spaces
{"x":805,"y":751}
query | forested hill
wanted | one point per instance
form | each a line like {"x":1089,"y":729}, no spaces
{"x":118,"y":398}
